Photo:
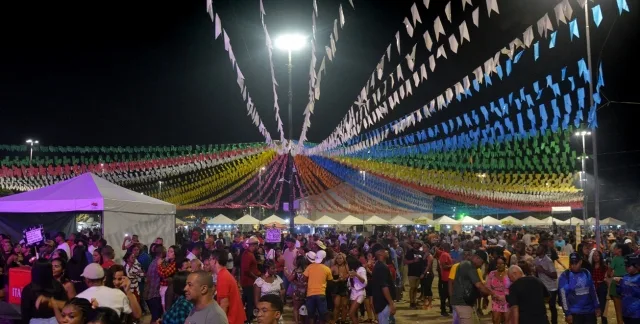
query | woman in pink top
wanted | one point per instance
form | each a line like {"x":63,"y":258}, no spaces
{"x":498,"y":282}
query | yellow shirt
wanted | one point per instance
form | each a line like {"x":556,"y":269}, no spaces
{"x":318,"y":275}
{"x":454,"y":270}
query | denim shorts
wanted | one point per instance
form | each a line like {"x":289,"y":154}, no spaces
{"x":317,"y":303}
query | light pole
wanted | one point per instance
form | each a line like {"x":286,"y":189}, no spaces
{"x":290,"y":43}
{"x":594,"y":142}
{"x":31,"y":143}
{"x":159,"y":188}
{"x":583,"y":174}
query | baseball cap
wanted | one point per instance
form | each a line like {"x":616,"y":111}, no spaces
{"x":627,"y":241}
{"x":574,"y":258}
{"x":320,"y":256}
{"x":482,"y":255}
{"x":632,"y":260}
{"x":93,"y":271}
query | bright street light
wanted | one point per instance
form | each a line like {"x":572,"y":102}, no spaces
{"x":291,"y":42}
{"x":31,"y":144}
{"x":582,"y":133}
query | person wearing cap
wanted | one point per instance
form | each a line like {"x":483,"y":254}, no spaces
{"x":317,"y":275}
{"x":579,"y":298}
{"x":248,"y":274}
{"x":628,"y":288}
{"x":113,"y":298}
{"x":467,"y":287}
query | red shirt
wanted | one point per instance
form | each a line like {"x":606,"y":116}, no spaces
{"x":444,"y":259}
{"x":228,"y":288}
{"x":248,"y":265}
{"x":108,"y":264}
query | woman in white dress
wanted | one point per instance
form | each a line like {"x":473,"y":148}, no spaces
{"x":357,"y":283}
{"x":269,"y":283}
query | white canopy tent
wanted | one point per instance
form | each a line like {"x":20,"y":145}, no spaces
{"x":325,"y":220}
{"x":560,"y":222}
{"x":510,"y":220}
{"x":399,"y":220}
{"x":532,"y":221}
{"x":446,"y":220}
{"x":575,"y":221}
{"x":488,"y":220}
{"x":221,"y":220}
{"x":301,"y":220}
{"x":272,"y":219}
{"x":247,"y":220}
{"x":375,"y":220}
{"x":468,"y":220}
{"x":612,"y":221}
{"x":352,"y":220}
{"x":180,"y":222}
{"x":123,"y":211}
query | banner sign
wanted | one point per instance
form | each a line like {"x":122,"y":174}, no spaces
{"x":274,"y":235}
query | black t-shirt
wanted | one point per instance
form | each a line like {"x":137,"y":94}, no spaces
{"x":528,"y":294}
{"x":381,"y":278}
{"x":415,"y":269}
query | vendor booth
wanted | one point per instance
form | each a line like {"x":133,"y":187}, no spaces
{"x":123,"y":211}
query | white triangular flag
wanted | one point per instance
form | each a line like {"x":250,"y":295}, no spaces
{"x":398,"y":41}
{"x":329,"y":53}
{"x":441,"y":52}
{"x":351,"y":2}
{"x":464,"y":32}
{"x":432,"y":63}
{"x":262,"y":8}
{"x":465,"y":83}
{"x":333,"y":45}
{"x":407,"y":24}
{"x":492,"y":5}
{"x":437,"y":28}
{"x":401,"y":90}
{"x":478,"y":74}
{"x":225,"y":37}
{"x":453,"y":43}
{"x":218,"y":28}
{"x":427,"y":40}
{"x":423,"y":72}
{"x":415,"y":15}
{"x":335,"y":29}
{"x":410,"y":62}
{"x":476,"y":17}
{"x":399,"y":72}
{"x":413,"y":52}
{"x":389,"y":52}
{"x":488,"y":66}
{"x":426,"y":3}
{"x":416,"y":78}
{"x":447,"y":11}
{"x":341,"y":13}
{"x":449,"y":95}
{"x":527,"y":36}
{"x":559,"y":11}
{"x":568,"y":11}
{"x":210,"y":9}
{"x":465,"y":2}
{"x":315,"y":7}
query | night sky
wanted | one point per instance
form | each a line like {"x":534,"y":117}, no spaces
{"x":151,"y":73}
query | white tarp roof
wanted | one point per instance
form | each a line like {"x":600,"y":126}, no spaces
{"x":247,"y":220}
{"x":220,"y":220}
{"x":352,"y":220}
{"x":488,"y":220}
{"x":532,"y":221}
{"x":272,"y":219}
{"x":468,"y":220}
{"x":180,"y":222}
{"x":510,"y":220}
{"x":301,"y":220}
{"x":612,"y":221}
{"x":375,"y":220}
{"x":399,"y":220}
{"x":325,"y":220}
{"x":446,"y":220}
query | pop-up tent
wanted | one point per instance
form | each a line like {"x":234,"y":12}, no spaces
{"x":220,"y":220}
{"x":123,"y":211}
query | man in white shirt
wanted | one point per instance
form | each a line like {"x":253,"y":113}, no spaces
{"x":106,"y":297}
{"x":61,"y":240}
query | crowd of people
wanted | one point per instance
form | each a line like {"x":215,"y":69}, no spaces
{"x":335,"y":278}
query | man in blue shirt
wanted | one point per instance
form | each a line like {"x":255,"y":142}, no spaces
{"x":578,"y":293}
{"x":629,"y":288}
